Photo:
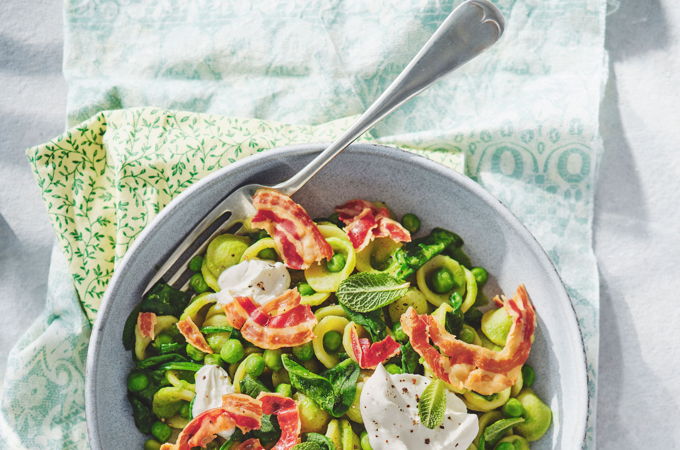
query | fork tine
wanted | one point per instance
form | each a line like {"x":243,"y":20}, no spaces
{"x":175,"y":266}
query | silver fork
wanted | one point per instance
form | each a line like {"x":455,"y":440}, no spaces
{"x":470,"y":29}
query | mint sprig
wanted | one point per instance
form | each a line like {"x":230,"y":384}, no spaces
{"x":365,"y":292}
{"x":432,"y":404}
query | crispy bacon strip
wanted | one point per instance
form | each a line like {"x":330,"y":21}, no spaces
{"x":471,"y":366}
{"x":237,"y":410}
{"x":370,"y":355}
{"x":287,"y":415}
{"x":193,"y":335}
{"x":146,"y":322}
{"x":283,"y":322}
{"x":296,"y":236}
{"x":364,"y":221}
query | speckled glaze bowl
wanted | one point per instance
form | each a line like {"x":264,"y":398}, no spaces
{"x":493,"y":237}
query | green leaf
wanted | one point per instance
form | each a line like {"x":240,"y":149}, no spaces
{"x":409,"y":358}
{"x":161,"y":359}
{"x":250,"y":386}
{"x":142,"y":415}
{"x":372,"y":321}
{"x":189,"y":366}
{"x":333,"y":391}
{"x":308,"y":446}
{"x":163,"y":300}
{"x":129,"y":329}
{"x":210,"y":330}
{"x":432,"y":404}
{"x":364,"y":292}
{"x":494,"y":432}
{"x":416,"y":253}
{"x":324,"y":442}
{"x":269,"y":431}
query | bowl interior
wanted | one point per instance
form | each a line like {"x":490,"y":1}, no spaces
{"x":407,"y":183}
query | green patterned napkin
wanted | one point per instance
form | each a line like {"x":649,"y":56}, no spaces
{"x":521,"y":120}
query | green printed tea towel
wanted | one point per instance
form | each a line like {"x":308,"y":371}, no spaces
{"x":521,"y":120}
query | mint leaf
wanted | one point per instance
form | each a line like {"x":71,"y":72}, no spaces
{"x":432,"y":404}
{"x":364,"y":292}
{"x":495,"y":431}
{"x":372,"y":322}
{"x":333,"y":391}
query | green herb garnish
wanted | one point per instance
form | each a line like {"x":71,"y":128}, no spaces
{"x":432,"y":404}
{"x":365,"y":292}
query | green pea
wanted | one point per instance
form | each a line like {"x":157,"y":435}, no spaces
{"x":161,"y":431}
{"x":254,"y":365}
{"x":335,"y":219}
{"x":305,"y":289}
{"x":513,"y":408}
{"x":480,"y":273}
{"x":196,"y":263}
{"x":505,"y":446}
{"x":467,"y":335}
{"x":268,"y":254}
{"x":185,"y":410}
{"x":399,"y":334}
{"x":194,"y":353}
{"x":198,"y":284}
{"x":336,"y":263}
{"x":232,"y":351}
{"x":393,"y":369}
{"x":212,"y":359}
{"x":272,"y":359}
{"x":456,"y":301}
{"x":363,"y":440}
{"x":528,"y":375}
{"x":137,"y":381}
{"x":304,"y":352}
{"x":442,"y":281}
{"x":411,"y":222}
{"x":332,"y":341}
{"x":152,"y":444}
{"x":284,"y":389}
{"x":162,"y":339}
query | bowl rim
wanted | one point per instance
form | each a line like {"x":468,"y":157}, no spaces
{"x":378,"y":150}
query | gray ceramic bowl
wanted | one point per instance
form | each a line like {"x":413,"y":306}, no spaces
{"x":408,"y":183}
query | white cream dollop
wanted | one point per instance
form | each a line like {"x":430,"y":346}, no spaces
{"x":212,"y":382}
{"x":389,"y":408}
{"x":262,"y":281}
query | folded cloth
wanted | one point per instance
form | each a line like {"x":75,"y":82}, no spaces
{"x":522,"y":120}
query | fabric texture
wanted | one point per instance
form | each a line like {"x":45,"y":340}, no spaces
{"x":521,"y":120}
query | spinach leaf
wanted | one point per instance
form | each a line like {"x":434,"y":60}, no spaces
{"x":129,"y":329}
{"x":364,"y":292}
{"x":160,"y":359}
{"x":409,"y":358}
{"x":164,"y":299}
{"x":323,"y":442}
{"x":142,"y":415}
{"x":372,"y":321}
{"x":453,"y":321}
{"x":343,"y":379}
{"x":180,"y":365}
{"x":333,"y":391}
{"x":209,"y":330}
{"x":269,"y":431}
{"x":251,"y":386}
{"x":432,"y":404}
{"x":415,"y":254}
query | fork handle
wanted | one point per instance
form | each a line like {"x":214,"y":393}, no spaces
{"x":470,"y":29}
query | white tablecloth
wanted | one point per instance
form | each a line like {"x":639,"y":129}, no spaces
{"x":635,"y":230}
